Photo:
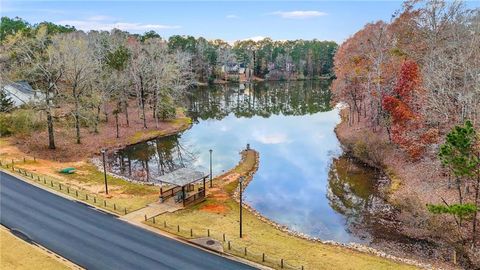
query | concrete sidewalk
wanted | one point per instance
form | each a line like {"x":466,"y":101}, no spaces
{"x":151,"y":210}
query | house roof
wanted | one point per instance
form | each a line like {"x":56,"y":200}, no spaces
{"x":182,"y":176}
{"x":22,"y":86}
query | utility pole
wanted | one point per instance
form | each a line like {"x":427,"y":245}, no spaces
{"x":240,"y":181}
{"x":105,"y":171}
{"x":210,"y":167}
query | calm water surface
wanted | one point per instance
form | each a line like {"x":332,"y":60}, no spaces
{"x":303,"y":180}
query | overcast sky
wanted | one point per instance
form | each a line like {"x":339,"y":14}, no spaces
{"x":228,"y":20}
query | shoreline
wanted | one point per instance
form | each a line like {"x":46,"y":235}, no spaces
{"x":257,"y":80}
{"x":388,"y":193}
{"x":95,"y":159}
{"x":152,"y":134}
{"x":249,"y":177}
{"x":67,"y":150}
{"x":284,"y":228}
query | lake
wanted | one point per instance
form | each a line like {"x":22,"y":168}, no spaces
{"x":304,"y":181}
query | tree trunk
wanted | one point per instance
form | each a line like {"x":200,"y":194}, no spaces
{"x":389,"y":134}
{"x":154,"y":112}
{"x":51,"y":135}
{"x":142,"y":102}
{"x":105,"y":111}
{"x":459,"y":188}
{"x":477,"y":195}
{"x":460,"y":197}
{"x":125,"y":107}
{"x":97,"y":120}
{"x":77,"y":116}
{"x":116,"y":123}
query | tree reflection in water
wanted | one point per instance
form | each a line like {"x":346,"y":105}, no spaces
{"x":260,"y":99}
{"x":301,"y":183}
{"x":353,"y":192}
{"x":148,"y":160}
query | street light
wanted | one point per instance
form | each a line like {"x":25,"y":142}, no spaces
{"x":240,"y":181}
{"x":210,"y":167}
{"x":105,"y":171}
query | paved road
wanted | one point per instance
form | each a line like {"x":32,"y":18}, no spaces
{"x":93,"y":239}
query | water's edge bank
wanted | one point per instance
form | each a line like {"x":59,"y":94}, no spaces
{"x":349,"y":148}
{"x":249,"y":177}
{"x":286,"y":229}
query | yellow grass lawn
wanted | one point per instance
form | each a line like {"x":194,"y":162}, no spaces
{"x":17,"y":254}
{"x":220,"y":214}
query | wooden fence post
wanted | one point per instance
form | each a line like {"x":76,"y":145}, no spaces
{"x":263,"y":257}
{"x":281,"y":263}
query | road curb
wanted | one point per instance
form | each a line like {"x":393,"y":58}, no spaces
{"x":44,"y":250}
{"x":63,"y":195}
{"x":136,"y":224}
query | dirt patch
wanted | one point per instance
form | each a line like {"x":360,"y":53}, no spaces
{"x":220,"y":196}
{"x":231,"y":177}
{"x":91,"y":142}
{"x":214,"y":208}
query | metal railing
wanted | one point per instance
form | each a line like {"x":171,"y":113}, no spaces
{"x":56,"y":185}
{"x":229,"y":245}
{"x":165,"y":195}
{"x":195,"y":198}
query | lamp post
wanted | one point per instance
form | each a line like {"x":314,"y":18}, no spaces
{"x":240,"y":181}
{"x":105,"y":171}
{"x":210,"y":167}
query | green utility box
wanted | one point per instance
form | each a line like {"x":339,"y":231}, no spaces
{"x":67,"y":170}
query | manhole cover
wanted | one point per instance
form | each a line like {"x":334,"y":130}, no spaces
{"x":210,"y":242}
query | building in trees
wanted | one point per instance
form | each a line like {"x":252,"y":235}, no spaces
{"x":21,"y":93}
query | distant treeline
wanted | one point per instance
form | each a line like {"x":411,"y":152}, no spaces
{"x":217,"y":59}
{"x":87,"y":78}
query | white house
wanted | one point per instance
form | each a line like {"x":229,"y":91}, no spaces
{"x":22,"y":93}
{"x":233,"y":68}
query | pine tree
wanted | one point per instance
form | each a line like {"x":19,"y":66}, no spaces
{"x":6,"y":103}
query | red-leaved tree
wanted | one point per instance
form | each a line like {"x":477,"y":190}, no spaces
{"x":403,"y":106}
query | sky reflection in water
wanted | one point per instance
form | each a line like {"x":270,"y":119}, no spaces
{"x":291,"y":186}
{"x":291,"y":183}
